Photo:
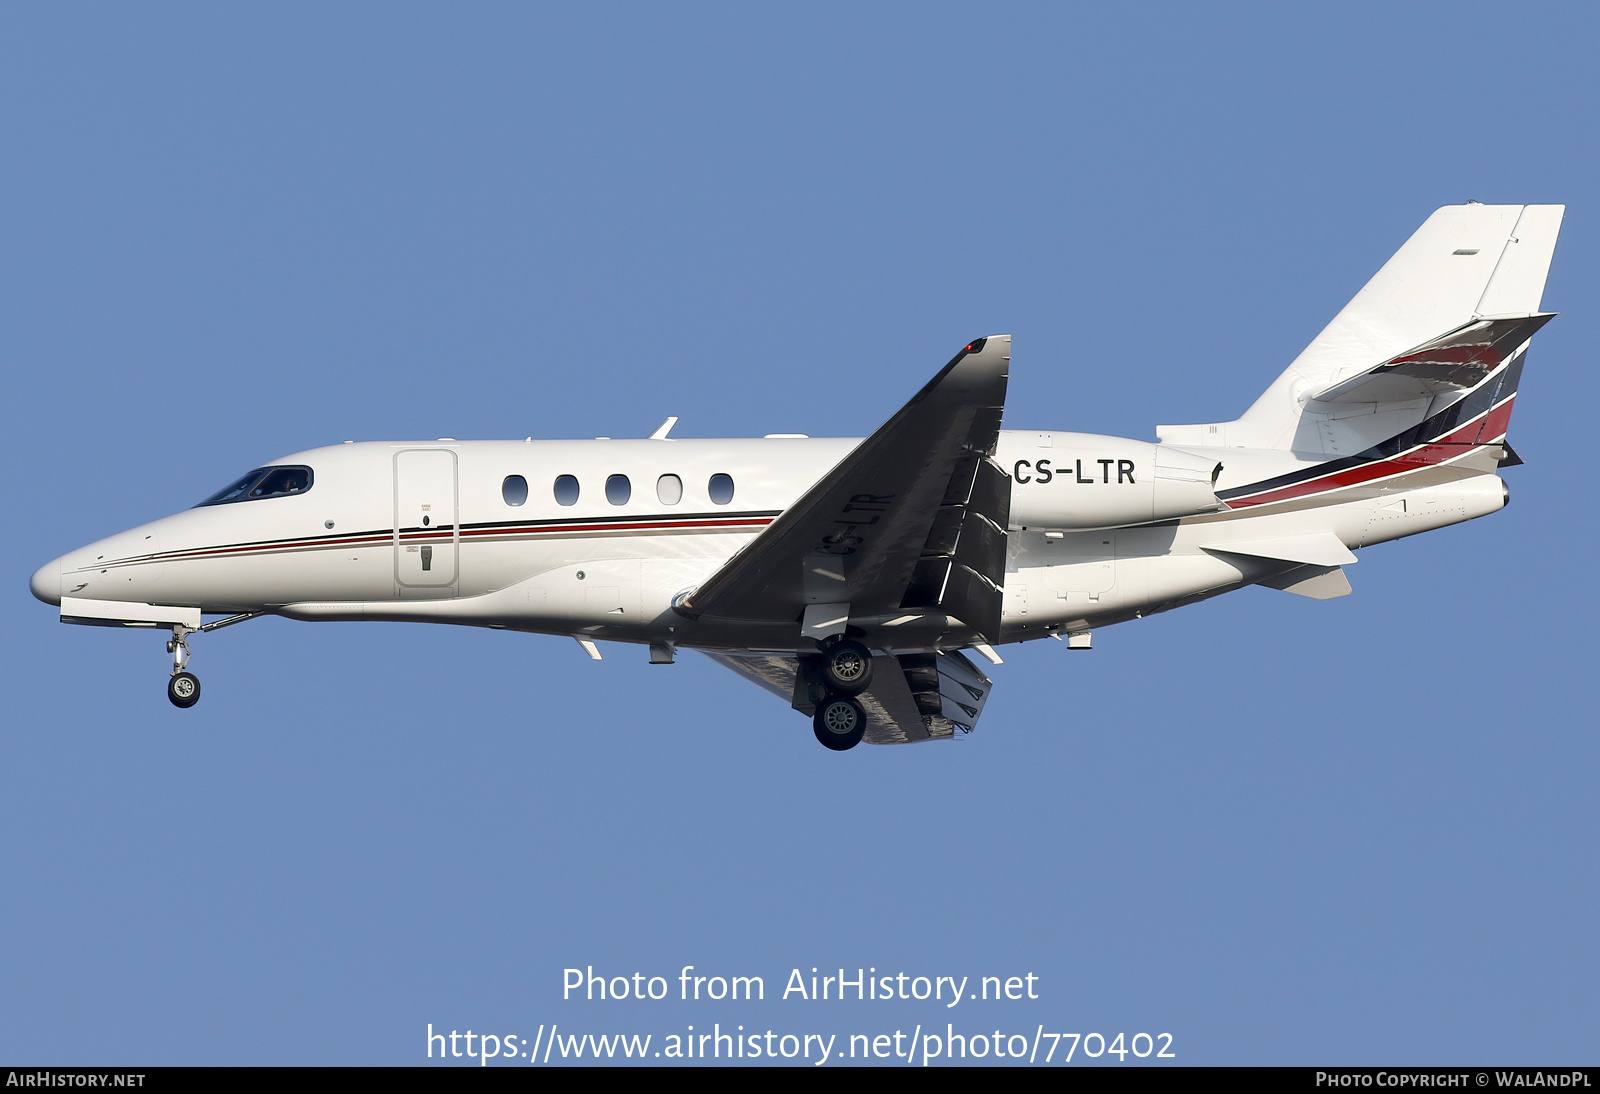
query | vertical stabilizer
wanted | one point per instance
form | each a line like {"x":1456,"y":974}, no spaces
{"x":1465,"y":262}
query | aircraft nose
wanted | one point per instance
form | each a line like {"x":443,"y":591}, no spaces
{"x":46,"y":582}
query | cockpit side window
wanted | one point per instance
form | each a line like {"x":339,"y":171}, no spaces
{"x":234,"y":491}
{"x":263,"y":482}
{"x":282,"y":481}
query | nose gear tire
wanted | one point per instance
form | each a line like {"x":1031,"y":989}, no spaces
{"x":183,"y":689}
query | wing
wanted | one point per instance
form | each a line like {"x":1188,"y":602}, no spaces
{"x":915,"y":516}
{"x":913,"y":697}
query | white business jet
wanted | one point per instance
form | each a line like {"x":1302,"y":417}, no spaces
{"x":847,"y":576}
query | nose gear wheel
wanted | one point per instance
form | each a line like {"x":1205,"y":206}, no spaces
{"x":183,"y":689}
{"x":184,"y":686}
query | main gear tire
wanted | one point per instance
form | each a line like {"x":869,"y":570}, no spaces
{"x":847,"y":667}
{"x":839,"y":722}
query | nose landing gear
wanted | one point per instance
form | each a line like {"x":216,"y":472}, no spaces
{"x":183,"y":687}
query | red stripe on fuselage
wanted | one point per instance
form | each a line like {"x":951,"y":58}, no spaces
{"x":550,"y":529}
{"x":281,"y":545}
{"x":1474,"y":434}
{"x":445,"y":535}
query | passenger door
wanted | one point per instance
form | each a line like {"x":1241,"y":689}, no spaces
{"x":426,"y":526}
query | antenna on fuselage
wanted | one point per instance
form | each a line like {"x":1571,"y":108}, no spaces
{"x":664,"y":428}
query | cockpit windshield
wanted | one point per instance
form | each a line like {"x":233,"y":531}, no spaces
{"x":263,"y":482}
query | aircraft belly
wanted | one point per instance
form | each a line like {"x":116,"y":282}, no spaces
{"x":669,"y":559}
{"x":1178,"y":576}
{"x":1086,"y":569}
{"x":571,"y":590}
{"x":1143,"y":584}
{"x":359,"y":573}
{"x":600,"y":593}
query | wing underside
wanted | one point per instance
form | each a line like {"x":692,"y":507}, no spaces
{"x":913,"y":697}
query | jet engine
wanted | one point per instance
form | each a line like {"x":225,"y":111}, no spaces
{"x":1066,"y":481}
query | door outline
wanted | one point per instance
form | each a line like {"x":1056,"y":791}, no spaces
{"x":453,"y":545}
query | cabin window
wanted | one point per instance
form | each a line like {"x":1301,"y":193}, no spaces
{"x":514,"y":490}
{"x":263,"y":482}
{"x":566,"y":490}
{"x":721,"y":489}
{"x":618,"y":490}
{"x":669,"y":490}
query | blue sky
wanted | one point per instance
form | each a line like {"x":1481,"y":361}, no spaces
{"x":1284,"y":831}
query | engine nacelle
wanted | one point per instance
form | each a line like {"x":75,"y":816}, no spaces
{"x":1083,"y":480}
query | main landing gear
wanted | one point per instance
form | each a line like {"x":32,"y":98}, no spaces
{"x":844,"y":670}
{"x":183,"y":687}
{"x":846,"y":667}
{"x":839,"y":722}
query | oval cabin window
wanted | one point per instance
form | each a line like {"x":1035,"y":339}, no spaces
{"x":514,"y":490}
{"x":618,"y":490}
{"x":669,"y":490}
{"x":721,"y":489}
{"x":566,"y":490}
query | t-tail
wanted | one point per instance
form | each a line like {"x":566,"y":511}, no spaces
{"x":1419,"y":369}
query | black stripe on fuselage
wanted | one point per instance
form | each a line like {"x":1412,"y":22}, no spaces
{"x":578,"y":522}
{"x":1491,"y":393}
{"x":378,"y":537}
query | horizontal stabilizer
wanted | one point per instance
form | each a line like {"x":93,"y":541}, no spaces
{"x":1313,"y":549}
{"x":1317,"y":582}
{"x":1460,"y":359}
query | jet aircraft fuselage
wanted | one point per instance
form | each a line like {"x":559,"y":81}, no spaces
{"x":425,"y":531}
{"x":846,"y":575}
